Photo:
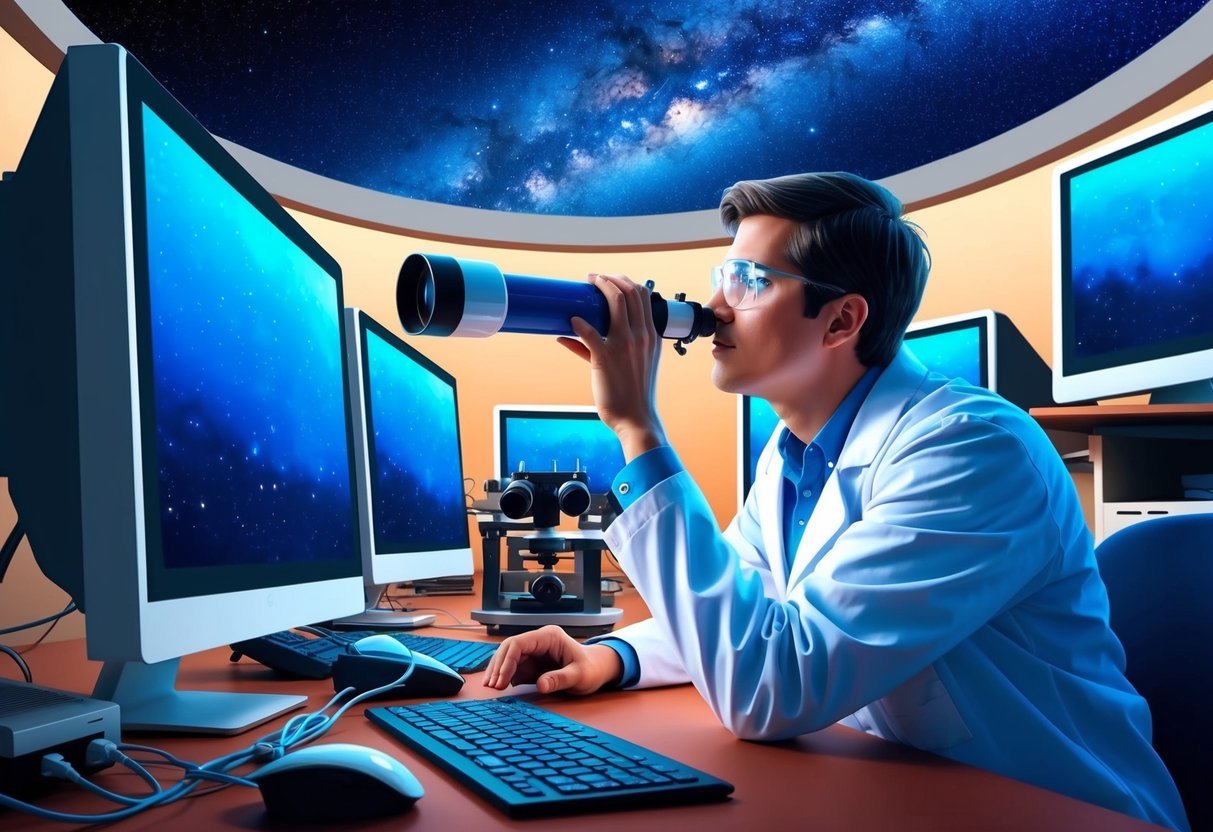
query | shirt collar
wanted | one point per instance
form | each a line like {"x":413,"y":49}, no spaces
{"x":833,"y":435}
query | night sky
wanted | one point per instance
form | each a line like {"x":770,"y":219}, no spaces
{"x":620,"y":108}
{"x":249,"y":396}
{"x":417,"y":469}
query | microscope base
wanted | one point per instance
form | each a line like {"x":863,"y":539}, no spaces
{"x":577,"y":624}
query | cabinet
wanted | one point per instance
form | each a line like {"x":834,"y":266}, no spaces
{"x":1137,"y":453}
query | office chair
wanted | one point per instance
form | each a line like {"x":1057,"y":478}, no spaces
{"x":1159,"y":575}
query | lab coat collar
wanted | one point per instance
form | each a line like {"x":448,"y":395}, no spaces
{"x":885,"y":405}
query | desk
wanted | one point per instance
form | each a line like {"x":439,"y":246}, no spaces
{"x":836,"y":779}
{"x":1138,"y":454}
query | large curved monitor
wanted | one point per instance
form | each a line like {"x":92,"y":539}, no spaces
{"x":1133,"y":265}
{"x":177,"y":436}
{"x":413,"y":517}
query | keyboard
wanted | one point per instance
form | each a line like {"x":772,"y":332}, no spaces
{"x":294,"y":654}
{"x":528,"y":761}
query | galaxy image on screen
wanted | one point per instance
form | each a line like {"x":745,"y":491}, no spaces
{"x":539,"y":441}
{"x":416,"y":468}
{"x":621,"y":107}
{"x":1141,"y":256}
{"x":250,"y":439}
{"x":955,"y":353}
{"x":762,"y":422}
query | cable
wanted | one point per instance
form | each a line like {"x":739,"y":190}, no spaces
{"x":70,"y":608}
{"x":29,"y":677}
{"x":9,"y":549}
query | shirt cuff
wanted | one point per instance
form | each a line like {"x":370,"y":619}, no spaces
{"x":642,"y":473}
{"x":627,"y":655}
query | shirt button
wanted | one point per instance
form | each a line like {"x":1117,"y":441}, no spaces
{"x":829,"y":464}
{"x":802,"y":522}
{"x":807,"y":492}
{"x":624,"y":488}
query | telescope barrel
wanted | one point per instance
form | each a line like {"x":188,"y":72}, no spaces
{"x":441,"y":295}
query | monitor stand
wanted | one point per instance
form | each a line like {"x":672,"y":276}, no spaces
{"x":1194,"y":392}
{"x":149,"y":701}
{"x":376,"y":618}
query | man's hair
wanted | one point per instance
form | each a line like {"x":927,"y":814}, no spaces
{"x":852,"y":235}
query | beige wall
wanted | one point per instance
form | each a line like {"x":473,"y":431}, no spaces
{"x":990,"y":249}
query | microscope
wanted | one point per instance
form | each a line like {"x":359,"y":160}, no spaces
{"x":517,"y":598}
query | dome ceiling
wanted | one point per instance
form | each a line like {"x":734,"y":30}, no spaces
{"x":620,"y":108}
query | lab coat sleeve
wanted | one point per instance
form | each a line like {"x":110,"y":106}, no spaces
{"x":955,"y":526}
{"x":660,"y":663}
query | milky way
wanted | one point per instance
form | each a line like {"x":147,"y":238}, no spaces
{"x":623,"y":108}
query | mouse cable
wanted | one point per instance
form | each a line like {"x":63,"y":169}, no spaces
{"x":299,"y":730}
{"x":15,"y":656}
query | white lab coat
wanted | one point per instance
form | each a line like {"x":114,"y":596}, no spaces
{"x":944,"y":595}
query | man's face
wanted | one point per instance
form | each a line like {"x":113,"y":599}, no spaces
{"x":771,"y":349}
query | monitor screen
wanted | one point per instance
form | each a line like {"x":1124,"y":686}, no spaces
{"x":411,"y":469}
{"x":1133,"y":262}
{"x":756,"y":421}
{"x":555,"y":437}
{"x":180,"y":451}
{"x":956,"y":348}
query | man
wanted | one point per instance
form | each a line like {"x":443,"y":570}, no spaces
{"x":912,"y":559}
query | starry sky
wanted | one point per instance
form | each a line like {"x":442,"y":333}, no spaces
{"x":416,"y":471}
{"x":538,"y":440}
{"x":254,"y":466}
{"x":1141,"y":261}
{"x":626,"y":107}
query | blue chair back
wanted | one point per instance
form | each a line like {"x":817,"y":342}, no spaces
{"x":1159,"y":575}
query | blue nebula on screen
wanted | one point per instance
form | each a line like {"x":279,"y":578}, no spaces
{"x":762,"y":422}
{"x":954,"y":353}
{"x":538,"y":442}
{"x":1142,"y":248}
{"x":416,"y":469}
{"x":251,"y":443}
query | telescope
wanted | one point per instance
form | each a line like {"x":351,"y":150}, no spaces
{"x":441,"y":295}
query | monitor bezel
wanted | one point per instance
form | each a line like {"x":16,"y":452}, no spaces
{"x":744,"y":418}
{"x":1124,"y":372}
{"x":381,"y":567}
{"x":117,"y":476}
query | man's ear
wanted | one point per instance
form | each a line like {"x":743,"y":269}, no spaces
{"x":847,"y":315}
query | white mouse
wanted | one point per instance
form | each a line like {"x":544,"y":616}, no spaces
{"x":336,"y":782}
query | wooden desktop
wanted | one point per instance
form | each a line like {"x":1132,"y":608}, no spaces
{"x":836,"y":779}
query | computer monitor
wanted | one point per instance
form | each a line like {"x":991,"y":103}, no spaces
{"x":412,"y":514}
{"x":983,"y":347}
{"x":1133,"y":265}
{"x":986,"y":349}
{"x":555,"y":438}
{"x":177,"y":435}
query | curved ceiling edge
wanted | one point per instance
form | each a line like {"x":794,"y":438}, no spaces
{"x":1108,"y":106}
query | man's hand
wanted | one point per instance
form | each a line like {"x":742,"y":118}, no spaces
{"x":552,"y":660}
{"x":623,"y":366}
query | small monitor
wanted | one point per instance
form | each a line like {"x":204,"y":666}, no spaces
{"x":412,"y":511}
{"x":1133,"y":265}
{"x":985,"y":349}
{"x":177,"y":440}
{"x":756,"y":421}
{"x":555,"y":438}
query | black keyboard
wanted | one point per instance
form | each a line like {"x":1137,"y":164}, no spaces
{"x":529,"y":761}
{"x":297,"y":655}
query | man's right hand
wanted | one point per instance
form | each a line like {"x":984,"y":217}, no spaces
{"x":553,"y":661}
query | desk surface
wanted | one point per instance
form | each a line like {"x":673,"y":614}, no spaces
{"x":836,"y":779}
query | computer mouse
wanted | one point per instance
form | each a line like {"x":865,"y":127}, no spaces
{"x":336,"y":782}
{"x":379,"y":660}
